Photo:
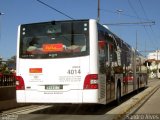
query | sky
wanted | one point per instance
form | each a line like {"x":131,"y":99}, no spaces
{"x":137,"y":16}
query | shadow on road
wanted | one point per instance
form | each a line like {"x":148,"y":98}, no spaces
{"x":76,"y":109}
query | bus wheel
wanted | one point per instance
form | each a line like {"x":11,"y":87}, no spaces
{"x":118,"y":94}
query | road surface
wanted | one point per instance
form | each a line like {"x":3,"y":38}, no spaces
{"x":77,"y":112}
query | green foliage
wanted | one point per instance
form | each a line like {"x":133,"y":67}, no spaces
{"x":4,"y":69}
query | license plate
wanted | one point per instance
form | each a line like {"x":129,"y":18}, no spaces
{"x":53,"y":87}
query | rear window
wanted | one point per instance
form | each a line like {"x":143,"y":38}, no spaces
{"x":54,"y":40}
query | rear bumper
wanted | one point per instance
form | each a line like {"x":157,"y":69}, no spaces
{"x":72,"y":96}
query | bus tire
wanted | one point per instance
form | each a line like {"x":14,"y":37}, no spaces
{"x":118,"y":94}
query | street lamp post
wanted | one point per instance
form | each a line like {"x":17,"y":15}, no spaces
{"x":119,"y":12}
{"x":1,"y":13}
{"x":98,"y":14}
{"x":0,"y":24}
{"x":157,"y":62}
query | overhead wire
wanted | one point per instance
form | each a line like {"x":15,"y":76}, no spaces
{"x":145,"y":14}
{"x":114,"y":12}
{"x":143,"y":9}
{"x":55,"y":9}
{"x":147,"y":22}
{"x":143,"y":23}
{"x":133,"y":9}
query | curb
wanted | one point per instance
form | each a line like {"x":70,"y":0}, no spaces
{"x":122,"y":110}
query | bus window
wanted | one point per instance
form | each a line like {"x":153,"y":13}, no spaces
{"x":64,"y":39}
{"x":102,"y":55}
{"x":112,"y":54}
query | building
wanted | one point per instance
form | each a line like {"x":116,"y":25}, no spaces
{"x":154,"y":68}
{"x":154,"y":55}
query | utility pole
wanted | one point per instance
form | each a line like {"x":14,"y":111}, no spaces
{"x":98,"y":14}
{"x":145,"y":48}
{"x":119,"y":11}
{"x":0,"y":24}
{"x":157,"y":62}
{"x":0,"y":29}
{"x":136,"y":41}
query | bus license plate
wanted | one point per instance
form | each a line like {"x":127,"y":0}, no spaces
{"x":53,"y":87}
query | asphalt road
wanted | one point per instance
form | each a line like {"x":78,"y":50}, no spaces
{"x":77,"y":112}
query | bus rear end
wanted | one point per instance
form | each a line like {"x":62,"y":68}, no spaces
{"x":54,"y":62}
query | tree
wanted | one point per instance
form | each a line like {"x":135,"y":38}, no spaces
{"x":11,"y":63}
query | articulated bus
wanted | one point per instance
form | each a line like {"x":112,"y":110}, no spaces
{"x":75,"y":61}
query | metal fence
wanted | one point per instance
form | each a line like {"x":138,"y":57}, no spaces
{"x":7,"y":80}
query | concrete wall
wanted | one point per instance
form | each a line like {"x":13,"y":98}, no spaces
{"x":7,"y":92}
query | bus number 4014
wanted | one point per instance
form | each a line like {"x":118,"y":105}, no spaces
{"x":74,"y":71}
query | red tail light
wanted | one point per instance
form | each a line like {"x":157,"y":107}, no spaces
{"x":19,"y":83}
{"x":91,"y":81}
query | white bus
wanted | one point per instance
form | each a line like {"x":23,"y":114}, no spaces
{"x":75,"y":61}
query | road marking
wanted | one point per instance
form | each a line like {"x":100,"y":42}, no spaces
{"x":27,"y":109}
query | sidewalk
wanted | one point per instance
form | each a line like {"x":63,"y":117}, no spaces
{"x":152,"y":105}
{"x":122,"y":110}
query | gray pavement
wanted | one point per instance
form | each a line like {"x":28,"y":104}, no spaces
{"x":148,"y":108}
{"x":124,"y":109}
{"x":152,"y":105}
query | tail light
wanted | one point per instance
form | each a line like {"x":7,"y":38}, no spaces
{"x":91,"y":81}
{"x":19,"y":83}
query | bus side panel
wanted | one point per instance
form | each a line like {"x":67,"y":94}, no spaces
{"x":20,"y":95}
{"x":92,"y":95}
{"x":17,"y":55}
{"x":93,"y":47}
